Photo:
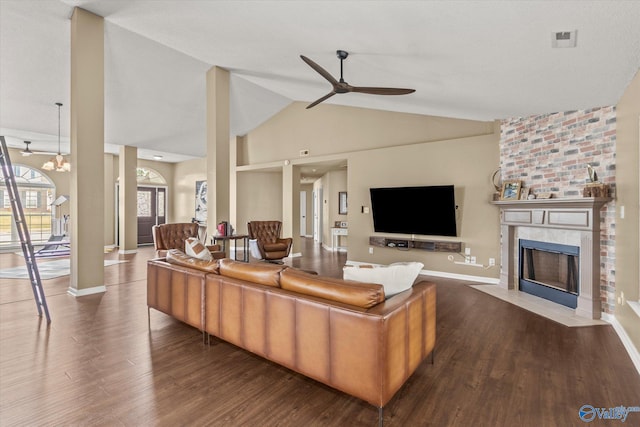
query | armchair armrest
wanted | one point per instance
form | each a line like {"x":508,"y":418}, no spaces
{"x":287,"y":240}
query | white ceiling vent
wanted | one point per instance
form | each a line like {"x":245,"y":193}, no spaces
{"x":564,"y":38}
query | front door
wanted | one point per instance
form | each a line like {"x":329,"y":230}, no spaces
{"x":151,"y":211}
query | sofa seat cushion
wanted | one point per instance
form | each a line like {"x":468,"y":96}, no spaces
{"x":358,"y":294}
{"x":264,"y":274}
{"x":274,"y":247}
{"x":176,"y":256}
{"x":395,"y":278}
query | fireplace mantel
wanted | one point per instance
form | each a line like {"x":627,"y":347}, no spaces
{"x":568,"y":214}
{"x":582,"y":202}
{"x":576,"y":219}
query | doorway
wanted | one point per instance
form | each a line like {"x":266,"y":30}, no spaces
{"x":317,"y":214}
{"x":303,"y":213}
{"x":151,"y":211}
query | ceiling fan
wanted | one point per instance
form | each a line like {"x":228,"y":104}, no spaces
{"x":27,"y":151}
{"x":344,"y":87}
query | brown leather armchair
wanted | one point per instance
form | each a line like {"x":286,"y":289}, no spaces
{"x":272,"y":247}
{"x":173,"y":236}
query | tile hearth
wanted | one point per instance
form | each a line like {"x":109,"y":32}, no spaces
{"x":540,"y":306}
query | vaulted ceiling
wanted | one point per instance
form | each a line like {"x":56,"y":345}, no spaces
{"x":481,"y":60}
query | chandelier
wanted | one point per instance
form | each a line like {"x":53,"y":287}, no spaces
{"x":57,"y":163}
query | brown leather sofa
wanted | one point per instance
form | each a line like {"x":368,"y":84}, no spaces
{"x":173,"y":236}
{"x":338,"y":332}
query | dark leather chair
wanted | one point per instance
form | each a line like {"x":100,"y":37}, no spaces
{"x":173,"y":236}
{"x":272,"y":247}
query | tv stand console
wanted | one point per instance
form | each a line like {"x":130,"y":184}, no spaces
{"x":424,"y":245}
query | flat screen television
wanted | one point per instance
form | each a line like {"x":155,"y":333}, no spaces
{"x":426,"y":210}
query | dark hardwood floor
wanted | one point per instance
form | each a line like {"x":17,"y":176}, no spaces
{"x":98,"y":364}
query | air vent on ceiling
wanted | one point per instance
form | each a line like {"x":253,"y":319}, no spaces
{"x":563,"y":38}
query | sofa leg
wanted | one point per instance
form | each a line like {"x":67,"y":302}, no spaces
{"x":380,"y":416}
{"x":148,"y":318}
{"x":433,"y":355}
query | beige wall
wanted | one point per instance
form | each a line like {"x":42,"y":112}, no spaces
{"x":329,"y":129}
{"x":384,"y":149}
{"x":466,"y":163}
{"x":259,"y":197}
{"x":627,"y":253}
{"x":184,"y":188}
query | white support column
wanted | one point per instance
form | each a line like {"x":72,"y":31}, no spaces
{"x":291,"y":205}
{"x":128,"y":204}
{"x":87,"y":153}
{"x":218,"y":137}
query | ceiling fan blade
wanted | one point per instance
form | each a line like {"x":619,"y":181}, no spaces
{"x":324,"y":73}
{"x":327,"y":96}
{"x":382,"y":90}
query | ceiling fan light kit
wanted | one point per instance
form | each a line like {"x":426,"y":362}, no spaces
{"x":343,"y":87}
{"x":57,"y":163}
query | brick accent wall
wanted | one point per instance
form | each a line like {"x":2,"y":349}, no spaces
{"x":550,"y":153}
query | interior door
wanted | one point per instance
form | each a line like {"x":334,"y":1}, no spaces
{"x":317,"y":215}
{"x":303,"y":213}
{"x":314,"y":210}
{"x":151,"y":211}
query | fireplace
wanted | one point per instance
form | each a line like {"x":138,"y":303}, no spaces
{"x":558,"y":223}
{"x":550,"y":271}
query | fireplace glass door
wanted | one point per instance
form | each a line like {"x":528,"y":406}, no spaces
{"x":550,"y":271}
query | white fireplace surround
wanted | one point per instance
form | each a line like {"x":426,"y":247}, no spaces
{"x":574,"y":222}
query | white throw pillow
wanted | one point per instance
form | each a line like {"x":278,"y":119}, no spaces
{"x":194,"y":248}
{"x":395,"y":278}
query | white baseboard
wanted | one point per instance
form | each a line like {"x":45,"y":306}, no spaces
{"x":128,"y":251}
{"x":447,"y":275}
{"x":86,"y":291}
{"x":634,"y":354}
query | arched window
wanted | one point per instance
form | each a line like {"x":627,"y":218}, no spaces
{"x":37,"y":192}
{"x":149,"y":176}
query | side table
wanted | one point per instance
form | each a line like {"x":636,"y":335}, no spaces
{"x":234,"y":238}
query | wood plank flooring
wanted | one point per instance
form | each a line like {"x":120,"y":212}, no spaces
{"x":98,"y":364}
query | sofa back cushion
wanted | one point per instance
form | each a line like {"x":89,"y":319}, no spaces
{"x":262,"y":273}
{"x":364,"y":295}
{"x":176,"y":256}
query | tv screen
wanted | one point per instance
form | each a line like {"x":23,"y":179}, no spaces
{"x":427,"y":210}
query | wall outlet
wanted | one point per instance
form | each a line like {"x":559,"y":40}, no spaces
{"x":467,"y":260}
{"x":371,"y":250}
{"x":492,"y":262}
{"x":467,"y":251}
{"x":473,"y":260}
